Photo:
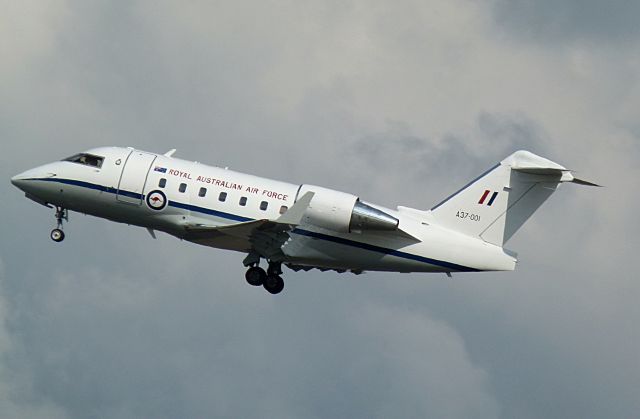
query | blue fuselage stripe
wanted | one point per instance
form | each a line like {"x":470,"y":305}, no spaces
{"x":208,"y":211}
{"x":384,"y":250}
{"x":299,"y":231}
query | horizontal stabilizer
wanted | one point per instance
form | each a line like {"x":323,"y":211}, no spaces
{"x":585,"y":183}
{"x":542,"y":171}
{"x":563,"y":174}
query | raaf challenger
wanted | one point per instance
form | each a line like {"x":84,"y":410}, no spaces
{"x":299,"y":226}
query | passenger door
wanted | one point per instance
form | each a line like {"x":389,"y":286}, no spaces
{"x":134,"y":177}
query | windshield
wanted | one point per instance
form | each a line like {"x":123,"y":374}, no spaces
{"x":86,"y":159}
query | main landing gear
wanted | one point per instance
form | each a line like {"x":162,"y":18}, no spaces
{"x":57,"y":235}
{"x":270,"y":280}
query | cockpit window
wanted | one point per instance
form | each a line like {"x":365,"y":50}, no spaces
{"x":86,"y":159}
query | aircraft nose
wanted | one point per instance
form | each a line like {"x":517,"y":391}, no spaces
{"x":19,"y":180}
{"x":24,"y":179}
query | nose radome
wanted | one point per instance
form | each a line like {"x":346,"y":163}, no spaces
{"x":18,"y":180}
{"x":24,"y":178}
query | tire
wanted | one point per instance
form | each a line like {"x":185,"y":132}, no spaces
{"x":274,"y":284}
{"x":57,"y":235}
{"x":255,"y":276}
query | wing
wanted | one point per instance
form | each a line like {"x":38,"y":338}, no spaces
{"x":305,"y":268}
{"x":264,"y":237}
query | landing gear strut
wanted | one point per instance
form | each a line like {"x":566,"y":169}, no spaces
{"x":57,"y":235}
{"x":270,"y":280}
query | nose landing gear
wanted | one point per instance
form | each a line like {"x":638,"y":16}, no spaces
{"x":57,"y":235}
{"x":270,"y":280}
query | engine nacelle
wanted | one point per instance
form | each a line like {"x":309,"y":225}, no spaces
{"x":344,"y":212}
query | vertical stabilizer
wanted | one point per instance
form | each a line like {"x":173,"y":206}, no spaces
{"x":494,"y":206}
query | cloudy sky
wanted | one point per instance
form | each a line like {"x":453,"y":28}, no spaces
{"x":400,"y":102}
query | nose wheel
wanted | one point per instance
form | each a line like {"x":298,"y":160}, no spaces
{"x":57,"y":235}
{"x":270,"y":279}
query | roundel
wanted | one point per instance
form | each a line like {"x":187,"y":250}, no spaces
{"x":156,"y":200}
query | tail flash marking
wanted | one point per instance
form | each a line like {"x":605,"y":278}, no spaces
{"x":493,"y":197}
{"x":484,"y":196}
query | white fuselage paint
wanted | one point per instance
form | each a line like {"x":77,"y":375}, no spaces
{"x":117,"y":191}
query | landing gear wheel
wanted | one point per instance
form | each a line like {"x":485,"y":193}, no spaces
{"x":255,"y":276}
{"x":57,"y":235}
{"x":273,"y":284}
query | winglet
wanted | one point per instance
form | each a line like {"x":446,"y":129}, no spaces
{"x":170,"y":152}
{"x":294,"y":214}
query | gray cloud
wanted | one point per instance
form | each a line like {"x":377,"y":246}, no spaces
{"x":569,"y":20}
{"x":396,"y":158}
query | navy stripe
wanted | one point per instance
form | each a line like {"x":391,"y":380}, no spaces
{"x":493,"y":198}
{"x":209,"y":211}
{"x":378,"y":249}
{"x":302,"y":232}
{"x":466,"y":186}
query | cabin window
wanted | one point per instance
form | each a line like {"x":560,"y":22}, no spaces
{"x":283,"y":209}
{"x":86,"y":160}
{"x":183,"y":187}
{"x":264,"y":205}
{"x":202,"y":192}
{"x":222,"y":197}
{"x":243,"y":201}
{"x":162,"y":183}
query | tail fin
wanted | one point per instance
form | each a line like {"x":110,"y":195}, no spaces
{"x":496,"y":204}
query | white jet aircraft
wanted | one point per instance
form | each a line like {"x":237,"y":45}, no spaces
{"x":301,"y":226}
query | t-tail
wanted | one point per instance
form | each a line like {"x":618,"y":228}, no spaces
{"x":496,"y":204}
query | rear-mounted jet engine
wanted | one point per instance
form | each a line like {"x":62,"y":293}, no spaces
{"x":344,"y":212}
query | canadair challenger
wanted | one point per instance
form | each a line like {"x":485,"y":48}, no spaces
{"x":299,"y":226}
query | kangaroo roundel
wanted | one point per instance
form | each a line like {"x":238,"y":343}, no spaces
{"x":156,"y":200}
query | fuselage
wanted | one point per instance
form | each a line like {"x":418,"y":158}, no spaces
{"x":168,"y":194}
